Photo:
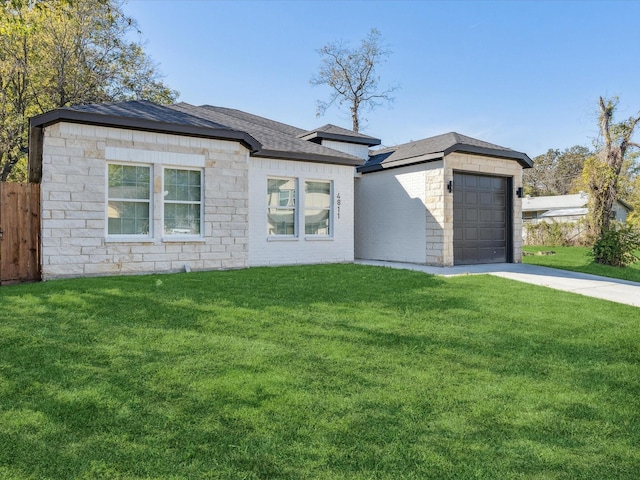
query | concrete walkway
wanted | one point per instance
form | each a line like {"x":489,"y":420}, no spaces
{"x":620,"y":291}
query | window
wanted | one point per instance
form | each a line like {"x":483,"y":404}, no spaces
{"x":182,"y":201}
{"x":317,"y":208}
{"x":281,"y":206}
{"x":129,"y":195}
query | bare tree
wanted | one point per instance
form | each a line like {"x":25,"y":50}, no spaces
{"x":351,"y":74}
{"x":603,"y":171}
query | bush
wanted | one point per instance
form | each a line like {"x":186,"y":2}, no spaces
{"x":566,"y":234}
{"x":616,"y":246}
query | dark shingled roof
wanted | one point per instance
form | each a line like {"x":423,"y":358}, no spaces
{"x":333,"y":132}
{"x":142,"y":115}
{"x":278,"y":140}
{"x":435,"y":148}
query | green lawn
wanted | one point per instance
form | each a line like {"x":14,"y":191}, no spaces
{"x":578,"y":259}
{"x":316,"y":372}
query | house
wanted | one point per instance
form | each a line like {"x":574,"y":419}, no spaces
{"x":564,"y":208}
{"x":136,"y":187}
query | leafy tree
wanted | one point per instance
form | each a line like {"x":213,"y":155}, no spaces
{"x":556,"y":172}
{"x":602,"y":172}
{"x":56,"y":53}
{"x":351,"y":74}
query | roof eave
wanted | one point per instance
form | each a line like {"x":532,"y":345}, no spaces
{"x":370,"y":142}
{"x":521,"y":158}
{"x":308,"y":157}
{"x":133,"y":123}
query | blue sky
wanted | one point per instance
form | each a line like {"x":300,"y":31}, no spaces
{"x":525,"y":75}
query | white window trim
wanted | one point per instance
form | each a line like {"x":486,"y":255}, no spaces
{"x":127,"y":237}
{"x":182,"y":237}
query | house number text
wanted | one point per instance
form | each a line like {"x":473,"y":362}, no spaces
{"x":338,"y":201}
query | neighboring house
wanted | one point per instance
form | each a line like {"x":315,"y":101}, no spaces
{"x":135,"y":187}
{"x":565,"y":208}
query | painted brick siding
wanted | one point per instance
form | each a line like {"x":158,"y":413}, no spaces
{"x":74,"y":203}
{"x":393,"y":217}
{"x":300,"y":249}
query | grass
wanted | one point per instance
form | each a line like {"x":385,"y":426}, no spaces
{"x":578,"y":259}
{"x":315,"y":372}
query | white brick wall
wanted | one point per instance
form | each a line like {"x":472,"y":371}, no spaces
{"x":392,"y":221}
{"x":265,"y":250}
{"x":357,"y":150}
{"x":74,"y":240}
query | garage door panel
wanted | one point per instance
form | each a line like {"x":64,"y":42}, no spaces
{"x":470,"y":198}
{"x":486,"y":215}
{"x":480,"y":230}
{"x":484,"y":182}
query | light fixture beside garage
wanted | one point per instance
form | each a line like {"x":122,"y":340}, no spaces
{"x":450,"y":186}
{"x":519,"y":192}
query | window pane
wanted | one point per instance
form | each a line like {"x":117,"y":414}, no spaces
{"x":132,"y":182}
{"x":280,"y":221}
{"x":316,"y":222}
{"x":182,"y":185}
{"x":317,"y":194}
{"x":128,"y":218}
{"x":181,"y":219}
{"x":281,"y":192}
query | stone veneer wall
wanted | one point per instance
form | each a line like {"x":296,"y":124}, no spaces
{"x":74,"y":203}
{"x":461,"y":162}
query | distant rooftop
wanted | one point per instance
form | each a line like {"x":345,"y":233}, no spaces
{"x":554,"y":202}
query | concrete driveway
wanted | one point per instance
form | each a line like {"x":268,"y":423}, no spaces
{"x":620,"y":291}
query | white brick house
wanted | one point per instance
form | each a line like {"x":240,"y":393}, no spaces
{"x":139,"y":188}
{"x":136,"y":187}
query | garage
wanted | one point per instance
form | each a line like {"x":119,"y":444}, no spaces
{"x":481,"y":219}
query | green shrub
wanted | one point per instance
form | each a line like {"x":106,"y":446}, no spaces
{"x":616,"y":246}
{"x":567,"y":234}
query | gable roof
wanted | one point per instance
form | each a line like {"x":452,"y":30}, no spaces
{"x":278,"y":140}
{"x":143,"y":115}
{"x":436,"y":148}
{"x":333,"y":132}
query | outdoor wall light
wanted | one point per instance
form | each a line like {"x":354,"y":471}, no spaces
{"x":450,"y":186}
{"x":520,"y":192}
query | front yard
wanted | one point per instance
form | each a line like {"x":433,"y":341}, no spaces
{"x":315,"y":372}
{"x":577,"y":259}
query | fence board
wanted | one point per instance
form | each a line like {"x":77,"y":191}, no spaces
{"x":20,"y":237}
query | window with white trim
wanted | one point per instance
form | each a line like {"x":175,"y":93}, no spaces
{"x":281,"y":206}
{"x":129,"y":200}
{"x":182,"y":204}
{"x":317,"y":207}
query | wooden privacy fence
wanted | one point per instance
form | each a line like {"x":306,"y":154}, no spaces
{"x":19,"y":232}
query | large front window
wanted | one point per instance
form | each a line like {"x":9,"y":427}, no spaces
{"x":129,"y":195}
{"x":317,"y":208}
{"x":281,"y":206}
{"x":182,"y":201}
